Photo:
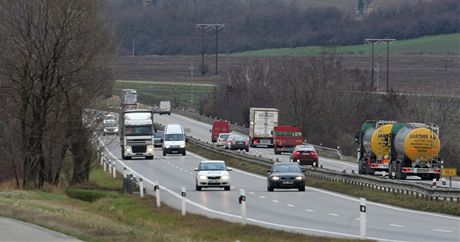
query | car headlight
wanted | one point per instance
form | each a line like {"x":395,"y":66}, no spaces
{"x":182,"y":146}
{"x":224,"y":177}
{"x":202,"y":177}
{"x":167,"y":146}
{"x":128,"y":149}
{"x":150,"y":148}
{"x":275,"y":178}
{"x":115,"y":130}
{"x":298,"y":178}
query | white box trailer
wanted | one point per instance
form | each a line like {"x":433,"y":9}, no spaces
{"x":261,"y":124}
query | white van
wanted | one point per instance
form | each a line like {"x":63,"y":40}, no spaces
{"x":173,"y":140}
{"x":165,"y":107}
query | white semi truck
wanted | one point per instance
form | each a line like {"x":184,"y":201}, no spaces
{"x":261,"y":124}
{"x":136,"y":134}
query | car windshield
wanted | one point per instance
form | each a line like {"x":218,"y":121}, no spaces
{"x":224,"y":136}
{"x":174,"y":137}
{"x":110,"y":123}
{"x":239,"y":138}
{"x":138,"y":130}
{"x":212,"y":166}
{"x":286,"y":168}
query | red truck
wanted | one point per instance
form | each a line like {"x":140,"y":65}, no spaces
{"x":219,"y":126}
{"x":286,"y":137}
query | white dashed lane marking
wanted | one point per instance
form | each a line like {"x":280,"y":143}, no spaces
{"x":397,"y":225}
{"x":263,"y":197}
{"x":251,"y":193}
{"x":334,"y":214}
{"x":309,"y":210}
{"x":275,"y":201}
{"x":290,"y":205}
{"x":442,"y":230}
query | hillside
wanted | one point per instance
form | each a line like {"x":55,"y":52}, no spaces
{"x":448,"y":44}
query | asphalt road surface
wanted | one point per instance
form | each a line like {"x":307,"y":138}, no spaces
{"x":201,"y":131}
{"x":15,"y":230}
{"x":315,"y":211}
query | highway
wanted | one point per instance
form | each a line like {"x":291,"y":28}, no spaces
{"x":315,"y":211}
{"x":201,"y":131}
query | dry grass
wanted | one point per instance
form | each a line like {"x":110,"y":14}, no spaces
{"x":121,"y":217}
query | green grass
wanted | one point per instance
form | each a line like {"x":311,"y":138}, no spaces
{"x":438,"y":44}
{"x":151,"y":93}
{"x":344,"y":188}
{"x":113,"y":216}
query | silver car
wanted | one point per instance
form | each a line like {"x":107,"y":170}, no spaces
{"x":222,"y":139}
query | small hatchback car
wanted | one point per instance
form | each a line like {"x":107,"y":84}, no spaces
{"x":305,"y":155}
{"x":285,"y":175}
{"x":212,"y":173}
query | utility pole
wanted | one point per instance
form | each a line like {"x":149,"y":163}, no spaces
{"x":210,"y":27}
{"x":374,"y":42}
{"x":133,"y":53}
{"x":191,"y":83}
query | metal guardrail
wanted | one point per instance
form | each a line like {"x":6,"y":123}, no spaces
{"x":377,"y":183}
{"x":241,"y":129}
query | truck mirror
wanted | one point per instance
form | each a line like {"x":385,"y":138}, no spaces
{"x":210,"y":130}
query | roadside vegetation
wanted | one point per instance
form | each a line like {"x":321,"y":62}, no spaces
{"x":447,"y":44}
{"x":98,"y":211}
{"x":399,"y":200}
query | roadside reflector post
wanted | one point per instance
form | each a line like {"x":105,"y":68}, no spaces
{"x":362,"y":218}
{"x":141,"y":187}
{"x":124,"y":172}
{"x":157,"y":193}
{"x":242,"y":201}
{"x":105,"y":165}
{"x":114,"y":172}
{"x":183,"y":200}
{"x":102,"y":158}
{"x":110,"y":167}
{"x":433,"y":185}
{"x":314,"y":164}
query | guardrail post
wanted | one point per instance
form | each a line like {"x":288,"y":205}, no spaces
{"x":141,"y":187}
{"x":362,"y":218}
{"x":157,"y":193}
{"x":242,"y":201}
{"x":184,"y":195}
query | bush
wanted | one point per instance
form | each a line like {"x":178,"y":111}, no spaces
{"x":85,"y":195}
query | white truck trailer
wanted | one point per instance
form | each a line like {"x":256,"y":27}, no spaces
{"x":129,"y":99}
{"x":165,"y":107}
{"x":136,"y":134}
{"x":261,"y":124}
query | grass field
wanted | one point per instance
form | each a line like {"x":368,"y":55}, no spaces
{"x":440,"y":44}
{"x":180,"y":94}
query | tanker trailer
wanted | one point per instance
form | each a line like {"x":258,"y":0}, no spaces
{"x":374,"y":146}
{"x":414,"y":150}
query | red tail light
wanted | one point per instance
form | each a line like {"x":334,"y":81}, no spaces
{"x":246,"y":142}
{"x":234,"y":142}
{"x":296,"y":153}
{"x":314,"y":154}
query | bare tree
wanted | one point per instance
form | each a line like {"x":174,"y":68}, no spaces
{"x":55,"y":56}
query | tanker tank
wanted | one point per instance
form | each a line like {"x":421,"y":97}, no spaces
{"x":417,"y":143}
{"x":376,"y":140}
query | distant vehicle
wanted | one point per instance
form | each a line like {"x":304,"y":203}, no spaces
{"x":237,"y":142}
{"x":173,"y":139}
{"x":129,"y":99}
{"x":110,"y":126}
{"x":286,"y":137}
{"x":305,"y":155}
{"x":285,"y":175}
{"x":261,"y":124}
{"x":212,"y":173}
{"x":219,"y":126}
{"x":222,"y":139}
{"x":165,"y":107}
{"x":158,"y":139}
{"x":136,"y":133}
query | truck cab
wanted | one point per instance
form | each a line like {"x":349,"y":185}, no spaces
{"x":136,"y":134}
{"x":286,"y":137}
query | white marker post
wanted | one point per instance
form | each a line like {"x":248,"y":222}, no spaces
{"x":102,"y":159}
{"x":157,"y":193}
{"x":105,"y":165}
{"x":141,"y":187}
{"x":114,"y":172}
{"x":242,"y":201}
{"x":362,"y":218}
{"x":110,"y":167}
{"x":183,"y":199}
{"x":124,"y":172}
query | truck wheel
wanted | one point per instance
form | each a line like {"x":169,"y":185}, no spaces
{"x":302,"y":189}
{"x":399,"y":173}
{"x":164,"y":152}
{"x":149,"y":157}
{"x":198,"y":188}
{"x":247,"y":149}
{"x":183,"y":153}
{"x":435,"y":176}
{"x":227,"y":188}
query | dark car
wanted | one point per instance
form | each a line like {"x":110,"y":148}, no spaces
{"x":158,"y":139}
{"x":237,"y":142}
{"x":285,"y":175}
{"x":305,"y":155}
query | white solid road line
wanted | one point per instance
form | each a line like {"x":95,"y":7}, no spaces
{"x":333,"y":214}
{"x":397,"y":225}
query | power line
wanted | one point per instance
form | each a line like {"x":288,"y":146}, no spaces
{"x":373,"y":42}
{"x":208,"y":27}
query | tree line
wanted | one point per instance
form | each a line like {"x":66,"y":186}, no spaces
{"x":54,"y":63}
{"x":328,"y":102}
{"x":168,"y":27}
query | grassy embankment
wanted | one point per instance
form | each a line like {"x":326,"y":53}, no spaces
{"x":370,"y":194}
{"x":438,"y":44}
{"x":151,"y":93}
{"x":100,"y":212}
